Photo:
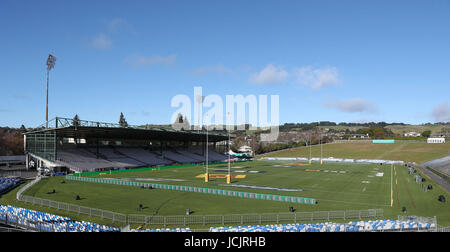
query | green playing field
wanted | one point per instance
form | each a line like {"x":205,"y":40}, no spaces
{"x":335,"y":186}
{"x":405,"y":150}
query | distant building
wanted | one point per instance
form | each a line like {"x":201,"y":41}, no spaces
{"x":442,"y":134}
{"x":245,"y":149}
{"x":412,"y":134}
{"x":361,"y":136}
{"x":436,"y":140}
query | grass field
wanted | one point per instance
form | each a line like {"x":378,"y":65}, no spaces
{"x":396,"y":129}
{"x":335,"y":186}
{"x":405,"y":151}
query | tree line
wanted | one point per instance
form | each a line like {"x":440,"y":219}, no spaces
{"x":312,"y":125}
{"x":11,"y":141}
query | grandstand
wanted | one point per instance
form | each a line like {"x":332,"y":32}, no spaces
{"x":353,"y":226}
{"x":45,"y":222}
{"x":81,"y":146}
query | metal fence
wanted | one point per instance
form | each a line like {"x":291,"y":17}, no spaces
{"x":204,"y":220}
{"x":442,"y":229}
{"x":240,"y":194}
{"x":370,"y":141}
{"x":252,"y":218}
{"x":23,"y":189}
{"x":7,"y":229}
{"x":432,"y":221}
{"x":92,"y":212}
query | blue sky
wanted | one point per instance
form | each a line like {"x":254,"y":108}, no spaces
{"x":342,"y":61}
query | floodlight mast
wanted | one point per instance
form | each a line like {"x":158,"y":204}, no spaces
{"x":199,"y":100}
{"x":229,"y":155}
{"x":310,"y":142}
{"x":51,"y":60}
{"x":320,"y":143}
{"x":207,"y":147}
{"x":321,"y":146}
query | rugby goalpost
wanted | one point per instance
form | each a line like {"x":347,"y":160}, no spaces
{"x":392,"y":199}
{"x":228,"y":176}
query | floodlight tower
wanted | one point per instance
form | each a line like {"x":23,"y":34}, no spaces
{"x":51,"y":60}
{"x":310,"y":142}
{"x":229,"y":156}
{"x":207,"y":147}
{"x":320,"y":143}
{"x":199,"y":99}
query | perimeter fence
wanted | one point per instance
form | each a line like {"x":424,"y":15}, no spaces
{"x":273,"y":218}
{"x":248,"y":195}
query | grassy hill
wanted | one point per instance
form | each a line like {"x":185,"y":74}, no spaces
{"x":405,"y":151}
{"x":399,"y":129}
{"x":396,"y":129}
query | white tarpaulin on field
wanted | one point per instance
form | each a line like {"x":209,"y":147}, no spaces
{"x":331,"y":159}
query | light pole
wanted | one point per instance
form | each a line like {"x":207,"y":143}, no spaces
{"x":310,"y":142}
{"x":199,"y":100}
{"x":229,"y":157}
{"x":207,"y":147}
{"x":320,"y":143}
{"x":51,"y":60}
{"x":321,"y":147}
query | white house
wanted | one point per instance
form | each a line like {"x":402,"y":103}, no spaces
{"x":412,"y":134}
{"x":436,"y":140}
{"x":362,"y":136}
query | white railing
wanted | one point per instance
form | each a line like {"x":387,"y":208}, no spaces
{"x":23,"y":189}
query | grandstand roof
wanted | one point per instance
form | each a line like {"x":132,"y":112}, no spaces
{"x":65,"y":127}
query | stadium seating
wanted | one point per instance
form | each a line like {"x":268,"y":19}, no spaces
{"x":200,"y":153}
{"x":86,"y":159}
{"x":176,"y":230}
{"x":54,"y":223}
{"x":355,"y":226}
{"x":56,"y":174}
{"x":81,"y":160}
{"x":7,"y":184}
{"x":143,"y":156}
{"x":49,"y":222}
{"x":215,"y":156}
{"x":179,"y":158}
{"x":193,"y":156}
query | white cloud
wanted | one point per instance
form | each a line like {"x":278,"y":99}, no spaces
{"x":441,"y":113}
{"x":354,"y":105}
{"x":269,"y":75}
{"x":113,"y":26}
{"x":140,"y":61}
{"x":217,"y":69}
{"x":101,"y":42}
{"x":316,"y":78}
{"x":116,"y":24}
